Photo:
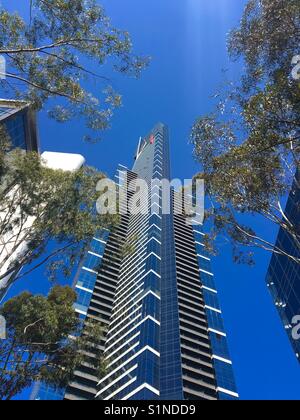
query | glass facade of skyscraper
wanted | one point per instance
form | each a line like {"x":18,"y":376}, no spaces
{"x":20,"y":122}
{"x":283,"y":278}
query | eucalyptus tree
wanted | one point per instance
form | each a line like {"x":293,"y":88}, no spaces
{"x":65,"y":50}
{"x":248,"y":147}
{"x":45,"y":341}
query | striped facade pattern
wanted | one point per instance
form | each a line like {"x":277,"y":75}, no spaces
{"x":165,"y":338}
{"x":132,"y":343}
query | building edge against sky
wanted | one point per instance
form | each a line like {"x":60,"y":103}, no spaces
{"x":283,"y":277}
{"x":165,"y":335}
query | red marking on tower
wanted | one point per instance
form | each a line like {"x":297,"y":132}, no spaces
{"x":152,"y":139}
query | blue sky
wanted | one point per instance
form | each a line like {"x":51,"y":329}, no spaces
{"x":187,"y":42}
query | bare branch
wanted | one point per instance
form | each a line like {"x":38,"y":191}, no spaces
{"x":32,"y":325}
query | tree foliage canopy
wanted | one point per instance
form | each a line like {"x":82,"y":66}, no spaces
{"x":54,"y":52}
{"x":45,"y":341}
{"x":249,"y":147}
{"x":267,"y":38}
{"x":53,"y":212}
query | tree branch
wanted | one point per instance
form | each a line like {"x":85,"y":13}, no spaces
{"x":50,"y":91}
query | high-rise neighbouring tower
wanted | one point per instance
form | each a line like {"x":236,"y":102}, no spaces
{"x":19,"y":119}
{"x":283,"y":277}
{"x":165,"y":337}
{"x":19,"y":122}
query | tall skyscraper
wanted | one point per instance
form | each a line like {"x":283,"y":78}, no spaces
{"x":283,"y":277}
{"x":165,"y":337}
{"x":20,"y":121}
